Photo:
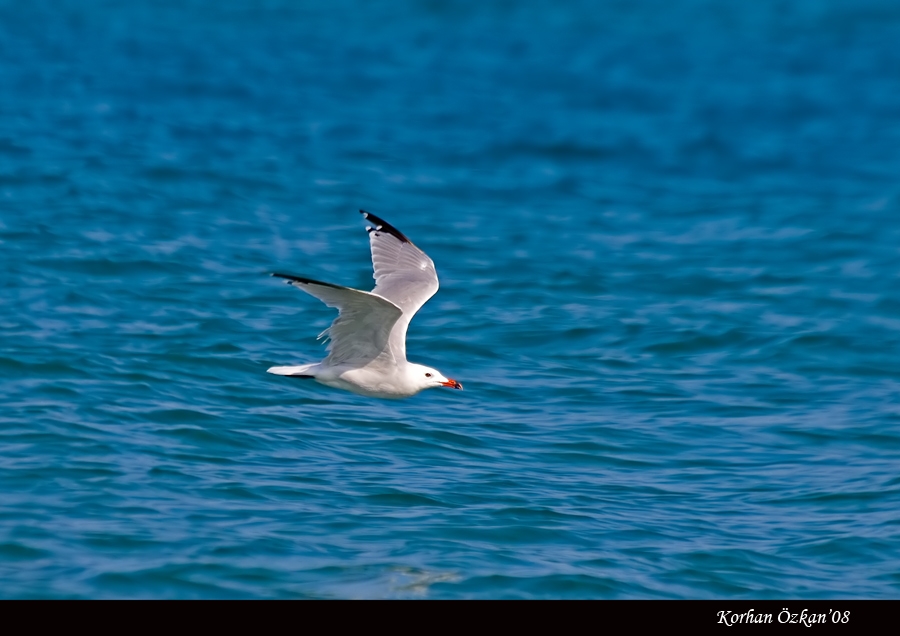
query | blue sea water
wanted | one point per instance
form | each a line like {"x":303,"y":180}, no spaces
{"x":668,"y":242}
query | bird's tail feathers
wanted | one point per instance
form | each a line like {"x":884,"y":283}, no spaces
{"x":304,"y":370}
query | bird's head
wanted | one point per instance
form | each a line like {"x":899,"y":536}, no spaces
{"x":428,"y":378}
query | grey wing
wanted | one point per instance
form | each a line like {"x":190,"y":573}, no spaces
{"x":362,"y":330}
{"x":403,"y":273}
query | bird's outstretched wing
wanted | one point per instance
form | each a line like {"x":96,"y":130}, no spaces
{"x":363,"y":327}
{"x":403,"y":273}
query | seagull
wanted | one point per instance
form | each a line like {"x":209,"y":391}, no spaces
{"x":367,"y":352}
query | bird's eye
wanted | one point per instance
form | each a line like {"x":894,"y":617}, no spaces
{"x":427,"y":375}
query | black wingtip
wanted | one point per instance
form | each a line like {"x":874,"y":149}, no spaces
{"x":307,"y":281}
{"x":383,"y":226}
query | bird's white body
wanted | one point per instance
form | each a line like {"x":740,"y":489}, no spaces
{"x":401,"y":381}
{"x":367,"y":352}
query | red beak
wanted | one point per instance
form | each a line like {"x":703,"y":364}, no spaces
{"x":452,"y":383}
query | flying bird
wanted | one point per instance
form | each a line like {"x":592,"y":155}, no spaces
{"x":367,"y":352}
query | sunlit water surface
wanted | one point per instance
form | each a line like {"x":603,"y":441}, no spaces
{"x":669,"y":251}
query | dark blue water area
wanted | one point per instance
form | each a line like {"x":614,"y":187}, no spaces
{"x":668,"y":238}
